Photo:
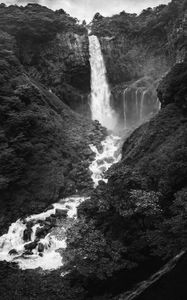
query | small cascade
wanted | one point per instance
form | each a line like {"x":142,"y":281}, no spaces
{"x":139,"y":103}
{"x":105,"y":158}
{"x":125,"y":108}
{"x":36,"y":241}
{"x":143,"y":93}
{"x":100,"y":92}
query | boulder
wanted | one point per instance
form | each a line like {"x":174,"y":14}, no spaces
{"x":50,"y":221}
{"x":41,"y":232}
{"x":61,"y":213}
{"x":40,"y":247}
{"x":109,"y":160}
{"x":100,"y":162}
{"x":103,"y":169}
{"x":28,"y":252}
{"x":30,"y":246}
{"x":49,"y":208}
{"x":13,"y":252}
{"x":27,"y":234}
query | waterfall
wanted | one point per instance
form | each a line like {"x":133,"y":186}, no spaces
{"x":124,"y":107}
{"x":142,"y":105}
{"x":100,"y":92}
{"x":139,"y":104}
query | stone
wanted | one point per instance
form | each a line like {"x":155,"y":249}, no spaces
{"x":28,"y":252}
{"x":30,"y":246}
{"x":13,"y":252}
{"x":41,"y":232}
{"x":40,"y":247}
{"x":100,"y":162}
{"x":49,"y":208}
{"x":27,"y":234}
{"x":61,"y":213}
{"x":109,"y":160}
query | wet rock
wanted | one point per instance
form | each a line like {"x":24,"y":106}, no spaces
{"x":109,"y":160}
{"x":28,"y":252}
{"x":61,"y":213}
{"x":42,"y":232}
{"x":41,"y":254}
{"x":100,"y":162}
{"x":68,"y":206}
{"x":49,"y":208}
{"x":50,"y":221}
{"x":40,"y":247}
{"x":100,"y":148}
{"x":63,"y":201}
{"x":30,"y":246}
{"x":103,"y":169}
{"x":13,"y":252}
{"x":27,"y":234}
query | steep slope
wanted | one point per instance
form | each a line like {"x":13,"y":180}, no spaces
{"x":142,"y":45}
{"x":53,"y":48}
{"x":137,"y":221}
{"x":138,"y":51}
{"x":44,"y":144}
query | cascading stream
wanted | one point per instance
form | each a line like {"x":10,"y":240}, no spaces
{"x":100,"y":92}
{"x":36,"y":241}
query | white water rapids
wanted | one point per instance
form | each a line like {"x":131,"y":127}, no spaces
{"x":42,"y":250}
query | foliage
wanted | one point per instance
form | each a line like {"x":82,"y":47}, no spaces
{"x":90,"y":254}
{"x":35,"y":22}
{"x":173,"y":86}
{"x":170,"y":237}
{"x":142,"y":45}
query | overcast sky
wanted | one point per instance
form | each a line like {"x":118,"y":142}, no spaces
{"x":85,"y":9}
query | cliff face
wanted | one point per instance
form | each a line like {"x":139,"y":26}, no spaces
{"x":63,"y":65}
{"x":141,"y":47}
{"x":53,"y":49}
{"x":44,"y":146}
{"x":138,"y":219}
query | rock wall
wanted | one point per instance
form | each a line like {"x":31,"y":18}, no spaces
{"x":53,"y":48}
{"x":141,"y":47}
{"x":44,"y":149}
{"x":63,"y":66}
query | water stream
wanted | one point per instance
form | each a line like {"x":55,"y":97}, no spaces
{"x":35,"y":241}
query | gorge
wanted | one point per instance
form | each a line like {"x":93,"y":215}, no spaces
{"x":93,"y":154}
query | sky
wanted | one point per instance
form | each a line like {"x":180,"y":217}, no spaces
{"x":86,"y":9}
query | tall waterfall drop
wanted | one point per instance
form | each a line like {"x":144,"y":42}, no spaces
{"x":100,"y":92}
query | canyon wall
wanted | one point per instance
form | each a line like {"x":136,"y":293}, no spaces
{"x":45,"y":150}
{"x":53,"y":48}
{"x":139,"y":50}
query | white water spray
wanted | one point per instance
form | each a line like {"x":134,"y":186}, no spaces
{"x":124,"y":107}
{"x":105,"y":159}
{"x":100,"y":92}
